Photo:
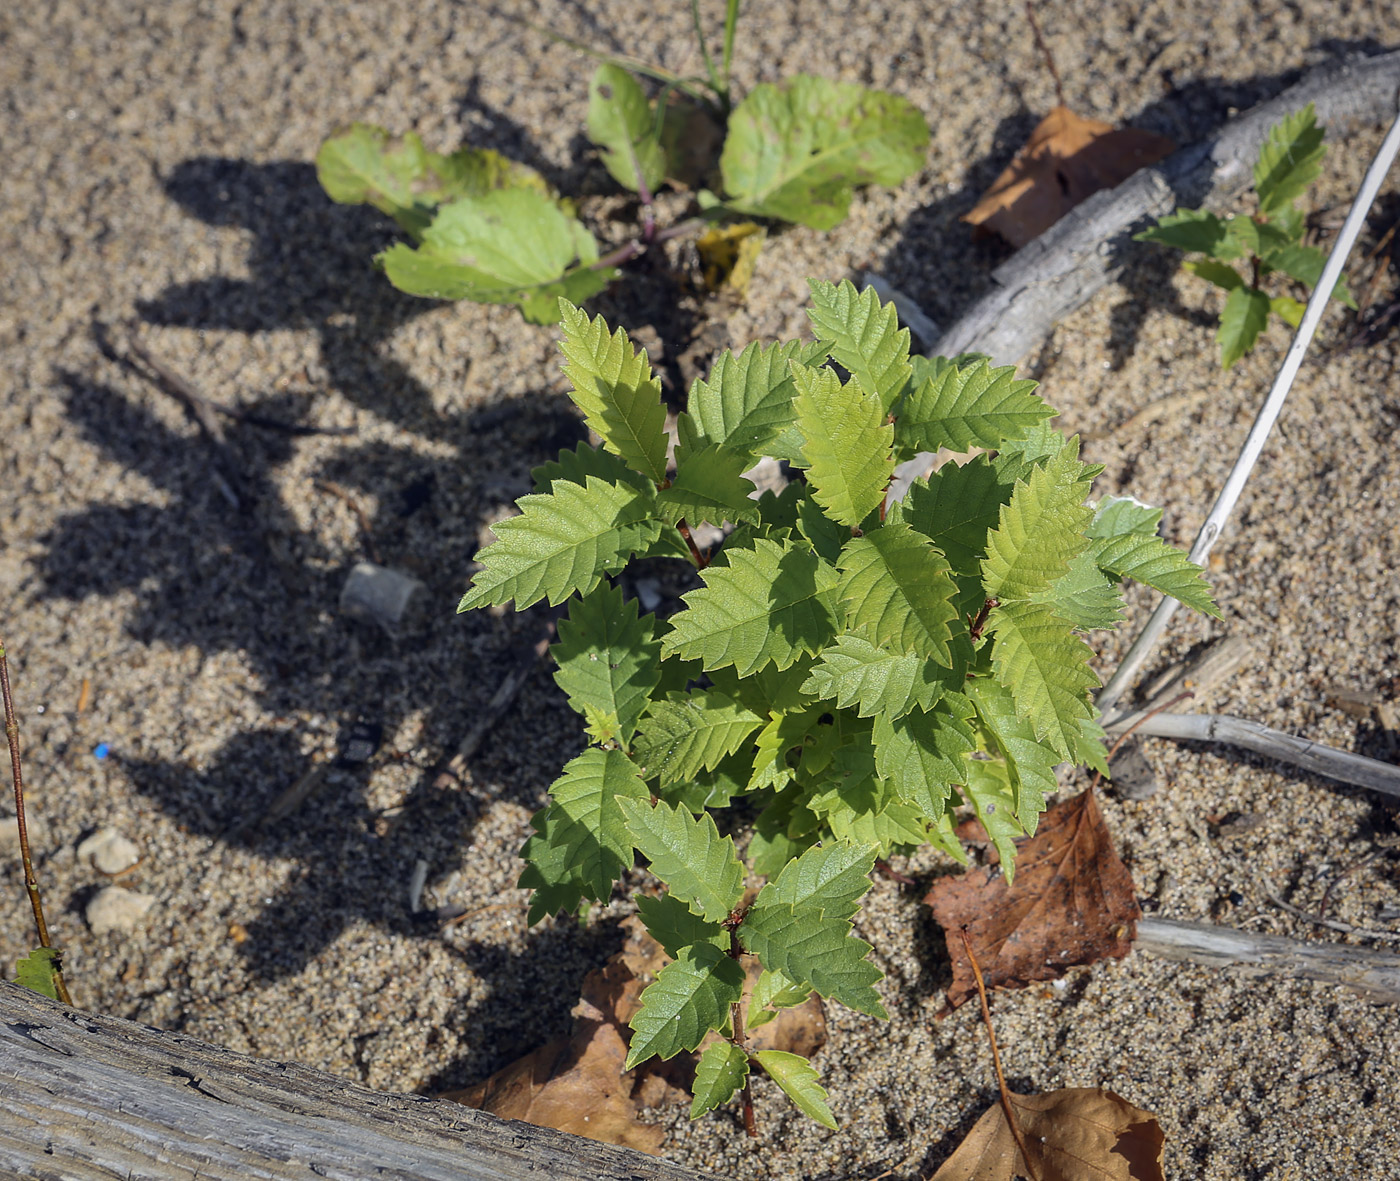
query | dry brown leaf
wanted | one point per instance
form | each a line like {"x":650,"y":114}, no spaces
{"x":578,"y":1085}
{"x":1073,"y":903}
{"x":1074,"y":1134}
{"x":1065,"y":160}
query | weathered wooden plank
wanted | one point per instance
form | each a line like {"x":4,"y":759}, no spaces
{"x":84,"y":1096}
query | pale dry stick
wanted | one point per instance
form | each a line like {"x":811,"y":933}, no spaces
{"x":1340,"y":765}
{"x":1373,"y":973}
{"x":31,"y":883}
{"x":1264,"y":423}
{"x":996,"y":1058}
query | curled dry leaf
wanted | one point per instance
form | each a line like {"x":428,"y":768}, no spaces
{"x":1074,"y":1134}
{"x":578,"y":1084}
{"x":1073,"y":903}
{"x":1065,"y":160}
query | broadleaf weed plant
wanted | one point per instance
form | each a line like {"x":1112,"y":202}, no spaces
{"x":1269,"y":241}
{"x":486,"y":228}
{"x":855,"y":667}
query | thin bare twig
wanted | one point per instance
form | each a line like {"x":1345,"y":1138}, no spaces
{"x":31,"y":883}
{"x":996,"y":1058}
{"x":1330,"y":924}
{"x":1045,"y":53}
{"x":366,"y":534}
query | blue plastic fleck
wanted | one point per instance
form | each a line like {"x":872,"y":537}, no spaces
{"x":101,"y":750}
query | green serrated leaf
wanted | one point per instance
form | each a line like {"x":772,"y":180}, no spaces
{"x":719,"y":1074}
{"x":709,"y":486}
{"x":798,"y":1079}
{"x":798,"y":152}
{"x":782,"y":733}
{"x":770,"y":605}
{"x":511,"y":246}
{"x":944,"y":838}
{"x":824,"y":534}
{"x":1222,"y":274}
{"x":622,"y":123}
{"x":1017,"y":457}
{"x":1146,"y":558}
{"x":675,"y":926}
{"x":686,"y":853}
{"x":922,"y":754}
{"x":690,"y":997}
{"x":833,"y":877}
{"x":614,"y":387}
{"x":1037,"y":656}
{"x":690,"y":732}
{"x":365,"y":165}
{"x":1289,"y":310}
{"x":746,"y":402}
{"x":857,"y":805}
{"x":1083,"y":596}
{"x":898,"y":592}
{"x":772,"y":846}
{"x":813,"y":948}
{"x":582,"y":844}
{"x":1091,"y":748}
{"x":864,"y":336}
{"x":989,"y":791}
{"x":1289,"y":161}
{"x":560,"y":543}
{"x":773,"y":992}
{"x":1115,"y":516}
{"x":955,"y":507}
{"x":38,"y":971}
{"x":1040,"y":530}
{"x":879,"y":683}
{"x":973,"y":406}
{"x":1305,"y":263}
{"x":1245,"y":316}
{"x":583,"y":461}
{"x":716,"y":788}
{"x":846,"y":445}
{"x":1030,"y":763}
{"x":1190,"y":229}
{"x":609,"y":662}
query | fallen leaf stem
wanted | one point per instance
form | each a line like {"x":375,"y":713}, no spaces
{"x":996,"y":1058}
{"x":31,"y":883}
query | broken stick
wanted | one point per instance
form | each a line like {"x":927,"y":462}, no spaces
{"x":1374,"y":974}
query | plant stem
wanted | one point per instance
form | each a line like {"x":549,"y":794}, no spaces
{"x":636,"y":248}
{"x":31,"y":883}
{"x":701,"y":561}
{"x":996,"y":1058}
{"x":715,"y":83}
{"x":731,"y":23}
{"x":1263,"y":424}
{"x":1045,"y":53}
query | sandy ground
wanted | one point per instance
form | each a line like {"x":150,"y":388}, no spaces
{"x":157,"y":168}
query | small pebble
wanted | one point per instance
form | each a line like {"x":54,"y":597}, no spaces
{"x":115,"y":909}
{"x":109,"y":851}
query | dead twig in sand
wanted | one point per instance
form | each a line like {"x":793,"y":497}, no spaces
{"x":366,"y":534}
{"x":1330,"y":924}
{"x":1374,"y":974}
{"x":31,"y":883}
{"x":505,"y":694}
{"x":1340,"y":765}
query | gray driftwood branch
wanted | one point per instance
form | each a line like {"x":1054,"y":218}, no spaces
{"x":1091,"y":245}
{"x":1335,"y":764}
{"x":83,"y":1096}
{"x":1374,"y":974}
